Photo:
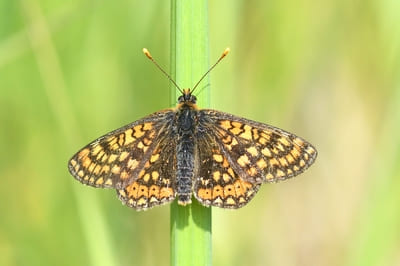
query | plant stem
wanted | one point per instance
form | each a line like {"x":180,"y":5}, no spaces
{"x":190,"y":225}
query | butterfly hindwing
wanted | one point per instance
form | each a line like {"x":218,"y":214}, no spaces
{"x":258,"y":152}
{"x":115,"y":159}
{"x":216,"y":183}
{"x":155,"y":183}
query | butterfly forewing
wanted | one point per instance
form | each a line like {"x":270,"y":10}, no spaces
{"x":115,"y":160}
{"x":258,"y":152}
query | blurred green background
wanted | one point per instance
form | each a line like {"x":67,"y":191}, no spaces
{"x":328,"y":71}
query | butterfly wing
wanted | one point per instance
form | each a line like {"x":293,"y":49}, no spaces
{"x":216,"y":183}
{"x":156,"y":181}
{"x":257,"y":152}
{"x":116,"y":159}
{"x":236,"y":155}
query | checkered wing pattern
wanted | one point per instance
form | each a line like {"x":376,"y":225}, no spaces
{"x":155,"y":183}
{"x":246,"y":153}
{"x":259,"y":152}
{"x":216,"y":183}
{"x":118,"y":158}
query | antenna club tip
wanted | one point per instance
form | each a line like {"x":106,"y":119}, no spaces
{"x":147,"y":53}
{"x":226,"y":51}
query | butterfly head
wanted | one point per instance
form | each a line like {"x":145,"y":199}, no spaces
{"x":187,"y":97}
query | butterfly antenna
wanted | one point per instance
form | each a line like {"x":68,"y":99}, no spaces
{"x":216,"y":63}
{"x":147,"y":53}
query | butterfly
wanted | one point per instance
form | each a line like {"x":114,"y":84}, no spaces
{"x":175,"y":153}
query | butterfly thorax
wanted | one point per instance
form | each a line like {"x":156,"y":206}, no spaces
{"x":186,"y":120}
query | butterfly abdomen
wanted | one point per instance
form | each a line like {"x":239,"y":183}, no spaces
{"x":185,"y":155}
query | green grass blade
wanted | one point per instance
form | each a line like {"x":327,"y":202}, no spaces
{"x":190,"y":225}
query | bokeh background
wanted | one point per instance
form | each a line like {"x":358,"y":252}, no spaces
{"x":328,"y":71}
